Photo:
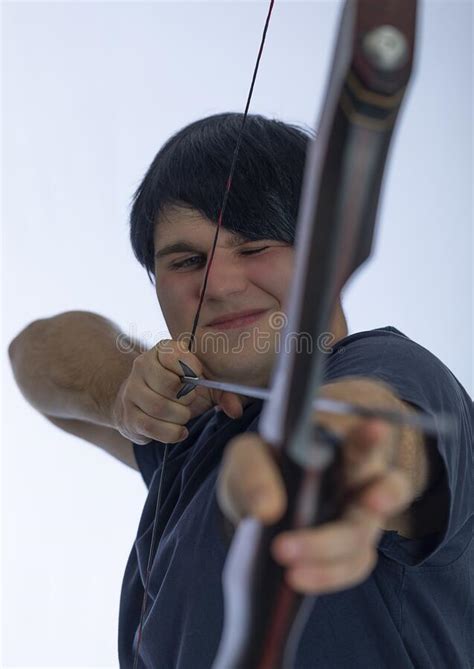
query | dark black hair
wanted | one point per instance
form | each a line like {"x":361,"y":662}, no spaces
{"x":192,"y":168}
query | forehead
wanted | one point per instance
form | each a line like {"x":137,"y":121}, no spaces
{"x":180,"y":223}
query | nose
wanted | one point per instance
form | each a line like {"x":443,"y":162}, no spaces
{"x":226,"y":276}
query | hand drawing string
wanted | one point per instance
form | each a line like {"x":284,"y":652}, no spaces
{"x":195,"y":324}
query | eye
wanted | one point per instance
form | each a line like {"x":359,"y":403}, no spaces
{"x":251,"y":252}
{"x":188,"y":263}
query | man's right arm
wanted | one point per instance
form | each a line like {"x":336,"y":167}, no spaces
{"x":91,"y":380}
{"x":70,"y":368}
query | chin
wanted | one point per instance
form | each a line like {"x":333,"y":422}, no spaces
{"x":238,"y":368}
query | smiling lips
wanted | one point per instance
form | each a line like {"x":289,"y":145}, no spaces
{"x":236,"y":319}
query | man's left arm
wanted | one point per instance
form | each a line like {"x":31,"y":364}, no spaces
{"x":388,"y":472}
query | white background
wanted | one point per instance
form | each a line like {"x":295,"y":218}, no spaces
{"x":90,"y":92}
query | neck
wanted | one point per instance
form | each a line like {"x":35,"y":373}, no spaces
{"x":338,"y":323}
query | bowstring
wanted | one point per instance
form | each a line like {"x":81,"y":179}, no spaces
{"x":196,"y":319}
{"x":150,"y":558}
{"x":230,"y":177}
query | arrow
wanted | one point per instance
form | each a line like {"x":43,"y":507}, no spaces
{"x":427,"y":424}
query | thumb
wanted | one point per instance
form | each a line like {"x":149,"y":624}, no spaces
{"x":231,"y":404}
{"x":249,"y":482}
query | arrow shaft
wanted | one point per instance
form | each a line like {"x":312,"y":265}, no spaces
{"x":418,"y":421}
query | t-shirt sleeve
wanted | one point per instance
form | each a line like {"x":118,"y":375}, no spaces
{"x":422,"y":380}
{"x":149,"y":458}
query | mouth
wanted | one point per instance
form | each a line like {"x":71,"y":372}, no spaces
{"x":236,"y":320}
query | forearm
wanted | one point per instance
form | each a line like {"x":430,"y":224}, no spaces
{"x":417,"y":456}
{"x":413,"y":454}
{"x":71,"y":365}
{"x":423,"y":465}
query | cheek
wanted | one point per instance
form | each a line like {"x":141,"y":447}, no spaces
{"x":274,"y":275}
{"x":177,"y":300}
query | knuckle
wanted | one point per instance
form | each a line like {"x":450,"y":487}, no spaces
{"x":187,"y":414}
{"x":164,"y":346}
{"x":128,"y":414}
{"x":131,"y":388}
{"x":159,"y":406}
{"x":166,"y":352}
{"x":165,"y":359}
{"x":144,"y":426}
{"x":138,"y":363}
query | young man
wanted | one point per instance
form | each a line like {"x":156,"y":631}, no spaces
{"x":393,"y":571}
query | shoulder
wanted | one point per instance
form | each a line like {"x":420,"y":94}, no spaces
{"x":421,"y":380}
{"x":416,"y":374}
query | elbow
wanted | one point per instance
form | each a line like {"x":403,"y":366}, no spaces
{"x":20,"y":343}
{"x":35,"y":326}
{"x":17,"y":343}
{"x":43,"y":332}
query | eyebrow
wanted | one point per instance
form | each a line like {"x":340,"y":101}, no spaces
{"x":187,"y":247}
{"x":177,"y":247}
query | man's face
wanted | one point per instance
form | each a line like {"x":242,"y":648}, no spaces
{"x":248,"y":282}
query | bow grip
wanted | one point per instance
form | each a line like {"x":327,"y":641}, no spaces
{"x":261,"y":608}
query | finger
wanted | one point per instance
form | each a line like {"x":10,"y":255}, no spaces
{"x":367,"y":452}
{"x":160,"y":378}
{"x":158,"y":430}
{"x":332,"y":542}
{"x":170,"y":352}
{"x":162,"y":408}
{"x":230,"y":403}
{"x":199,"y":402}
{"x":332,"y":577}
{"x":163,"y":382}
{"x":387,"y":496}
{"x":249,"y":482}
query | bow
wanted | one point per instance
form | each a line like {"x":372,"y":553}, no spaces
{"x":345,"y":164}
{"x":371,"y":68}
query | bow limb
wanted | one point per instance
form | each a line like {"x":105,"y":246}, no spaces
{"x":371,"y":68}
